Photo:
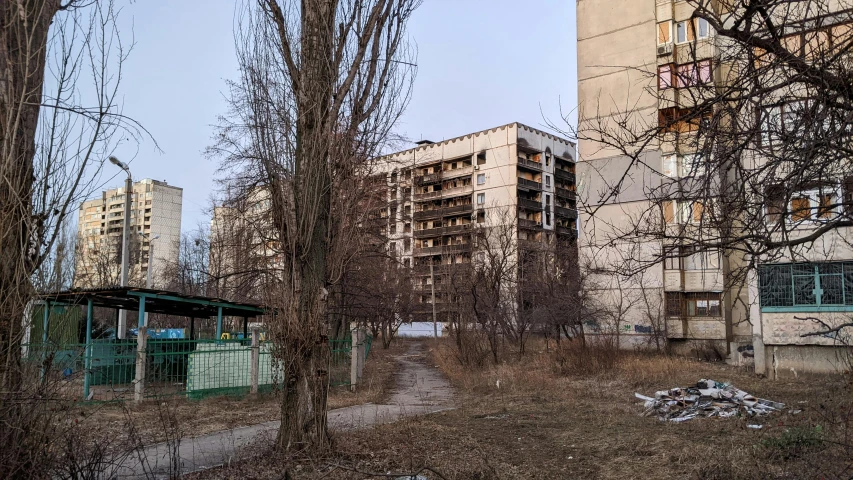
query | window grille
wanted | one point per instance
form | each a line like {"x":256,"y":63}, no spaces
{"x":806,"y":284}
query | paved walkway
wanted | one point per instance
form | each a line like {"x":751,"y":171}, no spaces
{"x":420,"y":389}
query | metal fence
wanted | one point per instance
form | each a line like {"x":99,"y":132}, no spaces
{"x":194,"y":368}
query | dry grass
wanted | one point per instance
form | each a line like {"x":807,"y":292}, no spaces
{"x":551,"y":419}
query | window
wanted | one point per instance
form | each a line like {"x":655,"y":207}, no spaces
{"x":548,"y":200}
{"x":407,"y":244}
{"x":393,"y":228}
{"x":665,"y":76}
{"x":481,"y":178}
{"x":664,"y":33}
{"x":547,"y":160}
{"x":481,"y":217}
{"x":810,"y":205}
{"x":547,"y":180}
{"x":481,"y":158}
{"x":548,"y":218}
{"x":481,"y":198}
{"x":682,"y":211}
{"x":683,"y":32}
{"x":808,"y":285}
{"x":702,"y":260}
{"x":703,"y":28}
{"x":671,"y":259}
{"x":693,"y":74}
{"x":701,"y":304}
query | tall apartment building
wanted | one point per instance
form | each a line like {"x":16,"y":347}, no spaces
{"x":439,"y":192}
{"x":643,"y":57}
{"x":155,"y":210}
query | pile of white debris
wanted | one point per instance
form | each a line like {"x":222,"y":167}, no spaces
{"x":708,"y":398}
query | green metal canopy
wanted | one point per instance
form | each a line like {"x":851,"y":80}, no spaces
{"x":154,"y":301}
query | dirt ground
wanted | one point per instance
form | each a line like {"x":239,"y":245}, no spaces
{"x":154,"y":421}
{"x":547,"y":421}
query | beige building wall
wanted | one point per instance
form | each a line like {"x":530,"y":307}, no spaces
{"x":618,"y":58}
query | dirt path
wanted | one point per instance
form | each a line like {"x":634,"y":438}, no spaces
{"x":420,"y":389}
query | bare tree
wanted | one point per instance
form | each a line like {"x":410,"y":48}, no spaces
{"x":54,"y":134}
{"x":322,"y":83}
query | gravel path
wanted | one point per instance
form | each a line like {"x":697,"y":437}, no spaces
{"x":421,"y":389}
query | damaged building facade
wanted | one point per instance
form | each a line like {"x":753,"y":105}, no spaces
{"x":648,"y":234}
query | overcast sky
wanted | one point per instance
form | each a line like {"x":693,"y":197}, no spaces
{"x":481,"y":64}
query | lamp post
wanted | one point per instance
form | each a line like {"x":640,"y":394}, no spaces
{"x":125,"y":240}
{"x":150,"y":263}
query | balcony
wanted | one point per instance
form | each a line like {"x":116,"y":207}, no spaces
{"x":436,"y":269}
{"x":565,"y":193}
{"x":529,"y":184}
{"x":529,"y":204}
{"x":451,"y":192}
{"x":458,"y":210}
{"x":420,"y":197}
{"x":449,"y":230}
{"x":564,"y":175}
{"x":566,"y":231}
{"x":525,"y":223}
{"x":429,"y":232}
{"x":530,"y":164}
{"x":458,"y":172}
{"x":442,"y":250}
{"x":427,"y":179}
{"x":565,"y":212}
{"x":425,"y":214}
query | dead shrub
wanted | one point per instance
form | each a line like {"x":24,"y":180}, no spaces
{"x":576,"y":358}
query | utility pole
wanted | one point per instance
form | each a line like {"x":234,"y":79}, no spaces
{"x":432,"y":284}
{"x":150,"y":265}
{"x":125,"y":240}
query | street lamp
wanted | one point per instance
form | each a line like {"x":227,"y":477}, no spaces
{"x":125,"y":239}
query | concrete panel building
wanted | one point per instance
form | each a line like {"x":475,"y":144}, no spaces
{"x":155,"y":210}
{"x":439,"y":192}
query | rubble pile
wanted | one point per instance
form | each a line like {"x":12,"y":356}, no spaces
{"x":708,"y":398}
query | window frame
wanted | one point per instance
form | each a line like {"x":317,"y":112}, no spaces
{"x":481,"y":199}
{"x":481,"y":176}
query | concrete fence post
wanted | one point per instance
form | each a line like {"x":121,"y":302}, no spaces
{"x":357,"y":356}
{"x":256,"y":359}
{"x":141,"y":357}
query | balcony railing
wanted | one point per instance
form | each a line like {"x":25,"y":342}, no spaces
{"x":565,"y":193}
{"x":448,"y":230}
{"x":565,"y":212}
{"x":525,"y":183}
{"x":569,"y":232}
{"x":457,"y":210}
{"x":564,"y":175}
{"x":450,"y":192}
{"x":424,"y":214}
{"x":525,"y":223}
{"x":419,"y":197}
{"x":443,"y":249}
{"x":426,"y":179}
{"x":429,"y":232}
{"x":523,"y":162}
{"x":458,"y":172}
{"x":528,"y":204}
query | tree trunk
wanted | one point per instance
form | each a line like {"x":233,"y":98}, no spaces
{"x":303,"y":408}
{"x":23,"y":43}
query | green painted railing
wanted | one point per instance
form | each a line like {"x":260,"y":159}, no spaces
{"x":195,"y":368}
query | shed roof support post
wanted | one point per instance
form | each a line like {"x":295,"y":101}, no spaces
{"x":45,"y":322}
{"x":87,"y":373}
{"x":245,"y":328}
{"x":141,"y":321}
{"x":219,"y":323}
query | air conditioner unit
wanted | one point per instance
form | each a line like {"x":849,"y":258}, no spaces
{"x":476,"y":167}
{"x":664,"y":50}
